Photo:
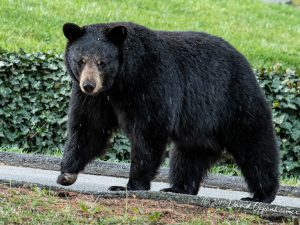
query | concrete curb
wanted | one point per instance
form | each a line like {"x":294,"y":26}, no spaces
{"x":98,"y":167}
{"x":261,"y":209}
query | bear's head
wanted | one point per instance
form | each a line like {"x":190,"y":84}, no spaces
{"x":93,"y":55}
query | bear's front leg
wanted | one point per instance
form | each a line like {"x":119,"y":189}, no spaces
{"x":86,"y":141}
{"x":146,"y":157}
{"x":90,"y":125}
{"x":84,"y":144}
{"x":78,"y":152}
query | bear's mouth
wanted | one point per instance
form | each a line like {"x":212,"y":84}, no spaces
{"x":91,"y":87}
{"x":104,"y":87}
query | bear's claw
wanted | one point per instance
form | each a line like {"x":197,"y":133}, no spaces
{"x":117,"y":188}
{"x":265,"y":200}
{"x":173,"y":190}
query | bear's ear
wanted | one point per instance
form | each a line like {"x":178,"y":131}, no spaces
{"x":117,"y":34}
{"x":72,"y":31}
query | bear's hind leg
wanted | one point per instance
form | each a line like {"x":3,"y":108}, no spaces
{"x":188,"y":167}
{"x":258,"y":160}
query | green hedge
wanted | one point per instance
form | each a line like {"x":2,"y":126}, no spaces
{"x":34,"y":94}
{"x":282,"y":89}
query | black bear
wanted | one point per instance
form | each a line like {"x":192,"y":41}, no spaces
{"x":189,"y":88}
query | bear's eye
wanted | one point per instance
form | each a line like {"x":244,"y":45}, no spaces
{"x":101,"y":63}
{"x":81,"y":62}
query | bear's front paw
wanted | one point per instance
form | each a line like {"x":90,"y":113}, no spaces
{"x":67,"y":178}
{"x":117,"y":188}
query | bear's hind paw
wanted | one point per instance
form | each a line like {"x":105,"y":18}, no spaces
{"x":265,"y":200}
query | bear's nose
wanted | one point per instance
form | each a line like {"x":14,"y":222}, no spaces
{"x":89,"y":87}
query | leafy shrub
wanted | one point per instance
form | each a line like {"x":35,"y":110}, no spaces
{"x":282,"y":89}
{"x":119,"y":150}
{"x":34,"y":94}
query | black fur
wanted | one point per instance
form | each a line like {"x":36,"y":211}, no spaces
{"x":190,"y":88}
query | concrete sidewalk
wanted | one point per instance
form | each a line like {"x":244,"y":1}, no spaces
{"x":95,"y":183}
{"x":103,"y":168}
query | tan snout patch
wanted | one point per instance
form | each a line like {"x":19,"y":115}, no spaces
{"x":90,"y":73}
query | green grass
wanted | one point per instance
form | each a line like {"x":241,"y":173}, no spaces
{"x":266,"y":33}
{"x":233,"y":170}
{"x":226,"y":169}
{"x":16,"y":149}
